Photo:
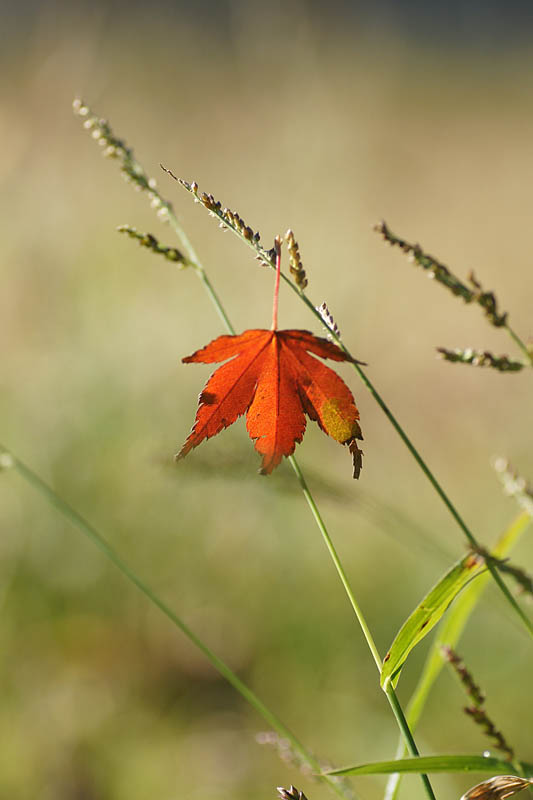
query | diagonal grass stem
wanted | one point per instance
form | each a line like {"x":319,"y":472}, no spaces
{"x":266,"y":257}
{"x":98,"y":540}
{"x":391,"y":696}
{"x":520,"y":343}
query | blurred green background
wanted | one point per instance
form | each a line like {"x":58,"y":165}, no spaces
{"x":324,"y":120}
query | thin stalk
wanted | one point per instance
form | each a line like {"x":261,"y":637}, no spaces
{"x":98,"y":540}
{"x":336,"y":561}
{"x":518,"y":341}
{"x":420,"y":461}
{"x":391,"y":696}
{"x":275,"y":302}
{"x":196,"y":264}
{"x":449,"y":632}
{"x":208,"y":286}
{"x":390,"y":693}
{"x":398,"y":428}
{"x":444,"y":497}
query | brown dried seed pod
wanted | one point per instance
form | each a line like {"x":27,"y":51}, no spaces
{"x":497,"y":788}
{"x":292,"y":793}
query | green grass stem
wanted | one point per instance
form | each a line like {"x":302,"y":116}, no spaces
{"x":520,"y":343}
{"x":266,"y":257}
{"x":98,"y":540}
{"x":391,"y":696}
{"x":390,"y":693}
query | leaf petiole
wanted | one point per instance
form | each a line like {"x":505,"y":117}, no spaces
{"x":275,"y":302}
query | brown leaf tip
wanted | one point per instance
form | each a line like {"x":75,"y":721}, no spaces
{"x":357,"y":456}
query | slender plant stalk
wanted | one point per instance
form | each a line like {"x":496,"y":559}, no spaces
{"x":403,"y":725}
{"x":275,"y":304}
{"x":266,"y":257}
{"x":98,"y":540}
{"x":444,"y":497}
{"x":520,"y":343}
{"x":391,"y":696}
{"x":81,"y":524}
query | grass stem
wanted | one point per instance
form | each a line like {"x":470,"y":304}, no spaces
{"x":391,"y":694}
{"x":400,"y":431}
{"x":518,"y":341}
{"x":98,"y":540}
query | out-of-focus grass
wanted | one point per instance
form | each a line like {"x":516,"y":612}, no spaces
{"x":100,"y":697}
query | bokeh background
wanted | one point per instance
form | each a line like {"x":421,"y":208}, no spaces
{"x":325,"y":119}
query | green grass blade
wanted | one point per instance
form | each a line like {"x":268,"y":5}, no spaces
{"x":449,"y":633}
{"x":453,"y":625}
{"x":487,"y":764}
{"x":427,"y":614}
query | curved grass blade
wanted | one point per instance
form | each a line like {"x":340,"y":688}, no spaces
{"x":444,"y":763}
{"x":454,"y":624}
{"x":428,"y":613}
{"x":449,"y":633}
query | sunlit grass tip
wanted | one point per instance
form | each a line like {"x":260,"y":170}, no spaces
{"x":228,"y":219}
{"x":116,"y":148}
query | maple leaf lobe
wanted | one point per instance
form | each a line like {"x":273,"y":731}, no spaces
{"x":272,"y":377}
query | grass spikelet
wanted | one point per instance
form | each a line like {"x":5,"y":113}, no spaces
{"x":472,"y":689}
{"x":329,"y":322}
{"x":480,"y":358}
{"x":476,"y":710}
{"x":150,"y":241}
{"x":113,"y":147}
{"x":497,"y":788}
{"x":227,"y":218}
{"x":295,"y":262}
{"x":443,"y":275}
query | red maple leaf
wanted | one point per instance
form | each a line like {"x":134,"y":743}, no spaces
{"x":274,"y":380}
